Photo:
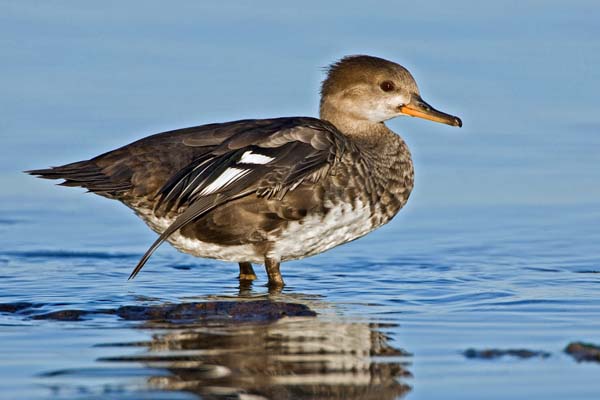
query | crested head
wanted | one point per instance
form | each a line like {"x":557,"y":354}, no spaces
{"x":362,"y":89}
{"x":365,"y":71}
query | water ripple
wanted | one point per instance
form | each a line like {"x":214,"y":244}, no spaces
{"x":66,"y":254}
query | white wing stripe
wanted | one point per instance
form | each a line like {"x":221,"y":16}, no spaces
{"x":228,"y":176}
{"x":252,"y":158}
{"x":193,"y":182}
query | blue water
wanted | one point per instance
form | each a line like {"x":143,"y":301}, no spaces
{"x":497,"y":248}
{"x":439,"y":280}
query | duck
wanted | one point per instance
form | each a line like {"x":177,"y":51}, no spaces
{"x":266,"y":191}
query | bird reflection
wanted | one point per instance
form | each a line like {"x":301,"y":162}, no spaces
{"x":317,"y":357}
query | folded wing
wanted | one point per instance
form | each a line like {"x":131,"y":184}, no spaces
{"x":268,"y":161}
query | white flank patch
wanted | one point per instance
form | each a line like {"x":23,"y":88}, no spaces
{"x":228,"y":176}
{"x":315,"y":233}
{"x":252,"y":158}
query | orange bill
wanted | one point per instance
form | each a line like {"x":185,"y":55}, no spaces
{"x":420,"y":109}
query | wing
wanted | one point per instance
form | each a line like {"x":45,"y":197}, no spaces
{"x":136,"y":172}
{"x":269,"y":161}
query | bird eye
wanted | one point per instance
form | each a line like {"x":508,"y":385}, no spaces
{"x":387,"y":86}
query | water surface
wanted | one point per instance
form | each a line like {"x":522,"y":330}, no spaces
{"x":394,"y":312}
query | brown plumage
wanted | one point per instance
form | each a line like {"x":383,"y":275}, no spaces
{"x":271,"y":190}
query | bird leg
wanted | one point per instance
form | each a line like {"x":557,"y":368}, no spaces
{"x":246,"y":272}
{"x":272,"y":267}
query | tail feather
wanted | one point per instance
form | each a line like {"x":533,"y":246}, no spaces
{"x":86,"y":174}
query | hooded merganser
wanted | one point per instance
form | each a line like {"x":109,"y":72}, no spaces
{"x":271,"y":190}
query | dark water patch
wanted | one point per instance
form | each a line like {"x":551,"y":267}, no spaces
{"x":141,"y":343}
{"x":182,"y":267}
{"x":156,"y":359}
{"x":582,"y":351}
{"x":529,"y":302}
{"x":542,"y":269}
{"x":68,"y":254}
{"x":18,"y":307}
{"x":259,"y":310}
{"x":10,"y":221}
{"x":589,"y":271}
{"x":408,"y":262}
{"x":148,"y":299}
{"x":236,"y":311}
{"x":65,"y":315}
{"x":431,"y":281}
{"x":473,"y":297}
{"x":100,"y":372}
{"x":490,"y":354}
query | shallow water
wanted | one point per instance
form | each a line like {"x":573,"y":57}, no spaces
{"x":394,"y":311}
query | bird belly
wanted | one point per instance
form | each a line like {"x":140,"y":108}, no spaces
{"x":317,"y":233}
{"x":311,"y":235}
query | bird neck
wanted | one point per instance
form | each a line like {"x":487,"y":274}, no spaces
{"x":365,"y":133}
{"x":386,"y":157}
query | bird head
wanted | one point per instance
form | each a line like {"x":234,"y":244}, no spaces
{"x":365,"y":88}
